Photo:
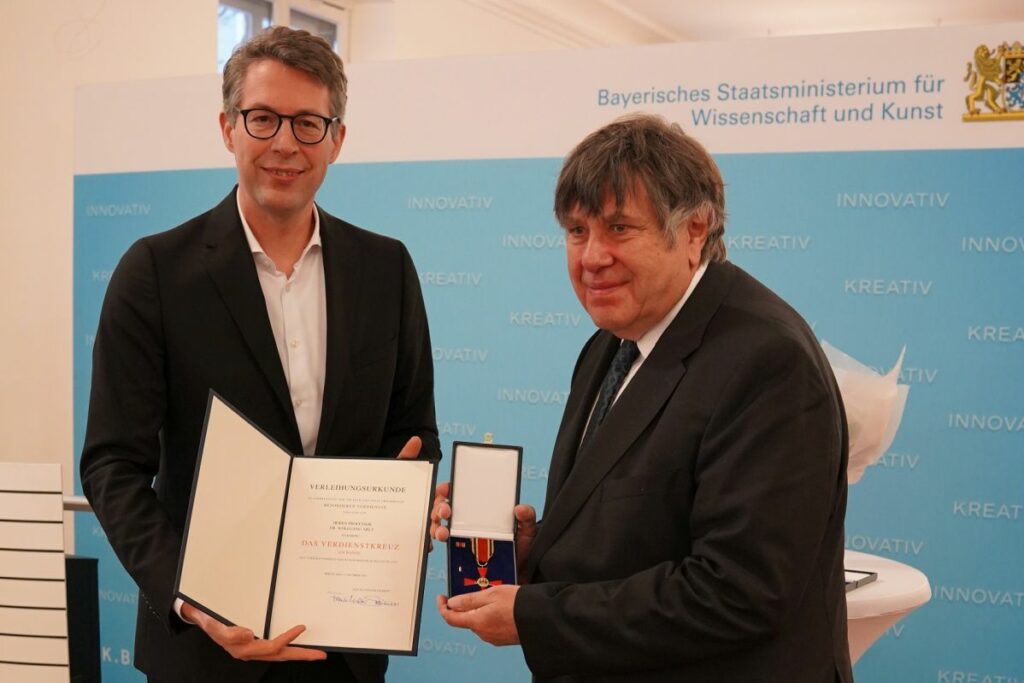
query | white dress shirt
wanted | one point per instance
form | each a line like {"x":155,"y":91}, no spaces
{"x":297,"y":307}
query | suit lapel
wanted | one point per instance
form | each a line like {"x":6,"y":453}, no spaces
{"x":342,"y":276}
{"x":593,"y":364}
{"x":639,"y":404}
{"x":230,"y":264}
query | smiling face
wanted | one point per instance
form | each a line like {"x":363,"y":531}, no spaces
{"x":621,"y":266}
{"x":278,"y":178}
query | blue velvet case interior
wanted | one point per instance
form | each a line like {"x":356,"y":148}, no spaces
{"x":476,"y":564}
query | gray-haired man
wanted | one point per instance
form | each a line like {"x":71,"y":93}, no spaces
{"x":693,"y":527}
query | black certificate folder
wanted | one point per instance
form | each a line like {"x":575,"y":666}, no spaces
{"x":481,"y":542}
{"x":337,"y":544}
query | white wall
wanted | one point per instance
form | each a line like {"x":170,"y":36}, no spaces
{"x":47,"y":48}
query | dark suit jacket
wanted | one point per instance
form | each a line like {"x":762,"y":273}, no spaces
{"x":699,"y":535}
{"x":183,"y":314}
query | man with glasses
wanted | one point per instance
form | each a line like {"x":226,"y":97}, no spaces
{"x":311,"y":327}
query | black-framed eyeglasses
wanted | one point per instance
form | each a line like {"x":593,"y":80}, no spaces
{"x":263,"y":124}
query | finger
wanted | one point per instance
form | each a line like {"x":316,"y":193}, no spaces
{"x":411,"y":449}
{"x":439,"y":515}
{"x":279,"y":643}
{"x":300,"y":654}
{"x":285,"y":639}
{"x":440,"y":512}
{"x":453,"y":618}
{"x":443,"y":490}
{"x":470,"y":601}
{"x":267,"y":649}
{"x":278,"y":650}
{"x":260,"y":651}
{"x":195,"y":615}
{"x":526,"y":516}
{"x":189,"y":613}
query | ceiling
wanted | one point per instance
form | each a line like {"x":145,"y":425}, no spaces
{"x":603,"y":23}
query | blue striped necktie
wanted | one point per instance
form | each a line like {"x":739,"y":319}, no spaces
{"x":617,"y":372}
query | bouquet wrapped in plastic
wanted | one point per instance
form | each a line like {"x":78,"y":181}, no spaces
{"x":874,"y":407}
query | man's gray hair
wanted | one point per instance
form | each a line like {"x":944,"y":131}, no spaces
{"x":680,"y":177}
{"x":295,"y":48}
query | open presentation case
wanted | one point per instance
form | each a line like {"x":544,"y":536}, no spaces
{"x":484,"y":491}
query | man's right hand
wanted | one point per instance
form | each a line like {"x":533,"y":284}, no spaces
{"x":440,"y":512}
{"x":526,"y":522}
{"x":241,"y":643}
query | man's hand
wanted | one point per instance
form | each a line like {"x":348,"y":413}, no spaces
{"x":487,"y":614}
{"x":526,"y":531}
{"x":240,"y":642}
{"x":411,"y":449}
{"x":440,"y":512}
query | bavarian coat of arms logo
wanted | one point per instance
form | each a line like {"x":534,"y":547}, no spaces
{"x":996,"y":82}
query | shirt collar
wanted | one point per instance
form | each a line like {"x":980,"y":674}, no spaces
{"x":257,"y":249}
{"x":647,"y":342}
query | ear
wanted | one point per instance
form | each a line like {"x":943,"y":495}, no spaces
{"x":337,"y":140}
{"x":695,"y":237}
{"x":227,"y":130}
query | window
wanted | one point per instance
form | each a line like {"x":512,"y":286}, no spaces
{"x":327,"y":30}
{"x":239,"y":20}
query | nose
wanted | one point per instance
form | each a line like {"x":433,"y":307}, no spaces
{"x":596,"y":254}
{"x":284,"y":141}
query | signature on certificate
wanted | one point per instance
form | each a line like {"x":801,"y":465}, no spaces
{"x":365,"y":600}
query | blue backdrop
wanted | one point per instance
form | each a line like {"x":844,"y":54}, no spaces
{"x":875,"y":249}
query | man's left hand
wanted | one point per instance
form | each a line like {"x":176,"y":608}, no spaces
{"x":488,"y":614}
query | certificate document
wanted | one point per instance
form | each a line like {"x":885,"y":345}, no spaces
{"x":337,"y":544}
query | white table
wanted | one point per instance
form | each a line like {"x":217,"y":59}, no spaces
{"x":873,"y":608}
